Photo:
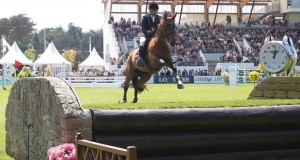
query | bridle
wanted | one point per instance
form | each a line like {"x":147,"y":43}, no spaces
{"x":167,"y":22}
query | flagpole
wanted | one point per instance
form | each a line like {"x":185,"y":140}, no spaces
{"x":90,"y":42}
{"x":3,"y":77}
{"x":2,"y":46}
{"x":15,"y":74}
{"x":44,"y":39}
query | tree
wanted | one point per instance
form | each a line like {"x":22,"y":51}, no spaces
{"x":96,"y":41}
{"x":16,"y":27}
{"x":75,"y":34}
{"x":5,"y":27}
{"x":30,"y":52}
{"x":36,"y":42}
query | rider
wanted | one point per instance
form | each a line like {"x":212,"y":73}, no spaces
{"x":149,"y":26}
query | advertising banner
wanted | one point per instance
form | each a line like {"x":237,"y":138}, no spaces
{"x":165,"y":79}
{"x":208,"y":79}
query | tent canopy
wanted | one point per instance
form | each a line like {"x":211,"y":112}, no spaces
{"x":93,"y":60}
{"x":15,"y":54}
{"x":51,"y":56}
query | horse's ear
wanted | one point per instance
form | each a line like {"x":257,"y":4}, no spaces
{"x":174,"y":16}
{"x":165,"y":16}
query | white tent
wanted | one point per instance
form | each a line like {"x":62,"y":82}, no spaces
{"x":93,"y":60}
{"x":54,"y":59}
{"x":15,"y":54}
{"x":51,"y":56}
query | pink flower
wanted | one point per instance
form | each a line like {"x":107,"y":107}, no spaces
{"x":65,"y":151}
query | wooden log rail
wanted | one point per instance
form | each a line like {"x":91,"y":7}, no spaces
{"x":86,"y":150}
{"x":177,"y":132}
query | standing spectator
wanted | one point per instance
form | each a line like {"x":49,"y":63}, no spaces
{"x":228,"y":19}
{"x":112,"y":19}
{"x":240,"y":20}
{"x":133,"y":23}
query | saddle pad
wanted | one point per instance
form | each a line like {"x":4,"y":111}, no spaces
{"x":136,"y":53}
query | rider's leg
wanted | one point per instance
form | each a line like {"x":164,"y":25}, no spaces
{"x":140,"y":60}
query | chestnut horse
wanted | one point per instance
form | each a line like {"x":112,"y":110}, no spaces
{"x":158,"y":55}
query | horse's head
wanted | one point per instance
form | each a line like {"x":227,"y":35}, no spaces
{"x":168,"y":25}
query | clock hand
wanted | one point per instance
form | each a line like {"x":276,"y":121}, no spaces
{"x":275,"y":53}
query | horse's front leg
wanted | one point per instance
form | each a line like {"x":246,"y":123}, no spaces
{"x":174,"y":69}
{"x":135,"y":98}
{"x":124,"y":99}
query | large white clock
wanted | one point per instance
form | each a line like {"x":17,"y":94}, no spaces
{"x":274,"y":57}
{"x":278,"y":57}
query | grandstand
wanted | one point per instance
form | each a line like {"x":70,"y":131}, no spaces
{"x":206,"y":35}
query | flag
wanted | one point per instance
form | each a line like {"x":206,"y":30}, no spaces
{"x":70,"y":54}
{"x":5,"y":45}
{"x":18,"y":64}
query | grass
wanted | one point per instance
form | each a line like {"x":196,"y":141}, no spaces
{"x":168,"y":96}
{"x":158,"y":96}
{"x":3,"y":101}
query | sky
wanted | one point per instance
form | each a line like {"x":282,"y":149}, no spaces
{"x":86,"y":14}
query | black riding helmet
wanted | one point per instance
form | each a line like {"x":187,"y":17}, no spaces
{"x":153,"y":6}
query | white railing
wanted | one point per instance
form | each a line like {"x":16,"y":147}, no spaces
{"x":96,"y":82}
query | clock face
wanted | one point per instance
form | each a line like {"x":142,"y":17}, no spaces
{"x":273,"y":57}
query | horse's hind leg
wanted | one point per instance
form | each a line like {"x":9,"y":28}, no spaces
{"x":124,"y":99}
{"x":129,"y":76}
{"x":135,"y":81}
{"x":138,"y":87}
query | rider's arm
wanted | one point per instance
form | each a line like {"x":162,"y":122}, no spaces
{"x":145,"y":27}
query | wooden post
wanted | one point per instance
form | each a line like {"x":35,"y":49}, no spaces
{"x":79,"y":151}
{"x":132,"y":154}
{"x":181,"y":12}
{"x":216,"y":12}
{"x":146,"y":8}
{"x":248,"y":23}
{"x":139,"y":16}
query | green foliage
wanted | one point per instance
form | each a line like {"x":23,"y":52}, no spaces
{"x":25,"y":72}
{"x":20,"y":28}
{"x":16,"y":28}
{"x":225,"y":77}
{"x":48,"y":71}
{"x":295,"y":74}
{"x":30,"y":52}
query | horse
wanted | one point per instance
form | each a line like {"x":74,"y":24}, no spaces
{"x":158,"y":55}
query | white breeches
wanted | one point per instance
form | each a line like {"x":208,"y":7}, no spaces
{"x":142,"y":41}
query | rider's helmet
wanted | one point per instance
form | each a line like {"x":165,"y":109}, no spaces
{"x":153,"y":6}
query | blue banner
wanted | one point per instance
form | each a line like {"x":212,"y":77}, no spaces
{"x":165,"y":79}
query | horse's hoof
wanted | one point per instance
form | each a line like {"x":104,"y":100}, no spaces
{"x":134,"y":100}
{"x":122,"y":101}
{"x":180,"y":85}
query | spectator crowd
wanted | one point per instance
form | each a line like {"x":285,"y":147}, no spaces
{"x":207,"y":38}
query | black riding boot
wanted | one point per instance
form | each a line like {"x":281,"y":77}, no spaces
{"x":140,"y":60}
